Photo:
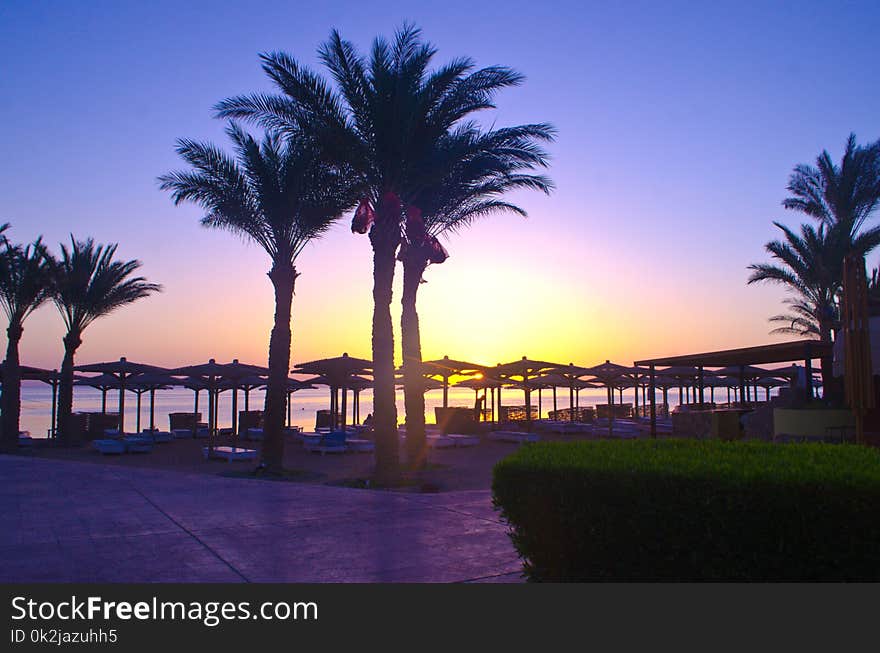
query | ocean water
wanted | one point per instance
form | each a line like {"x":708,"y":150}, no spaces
{"x":36,"y":404}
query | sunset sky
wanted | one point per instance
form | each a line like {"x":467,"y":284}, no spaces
{"x":678,"y":127}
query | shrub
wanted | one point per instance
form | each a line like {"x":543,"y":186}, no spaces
{"x":692,"y":510}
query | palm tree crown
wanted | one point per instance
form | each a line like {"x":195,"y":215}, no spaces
{"x":838,"y":193}
{"x":89,"y":284}
{"x":25,"y":280}
{"x":277,"y":192}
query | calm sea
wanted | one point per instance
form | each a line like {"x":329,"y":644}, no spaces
{"x":36,"y":404}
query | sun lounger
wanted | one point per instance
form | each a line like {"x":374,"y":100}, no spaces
{"x":158,"y":436}
{"x":109,"y":446}
{"x":179,"y":434}
{"x":254,"y":434}
{"x":330,"y":443}
{"x":514,"y":436}
{"x":359,"y":445}
{"x":439,"y":442}
{"x":111,"y":433}
{"x":138,"y":444}
{"x":25,"y":439}
{"x":461,"y":440}
{"x":203,"y":432}
{"x":231,"y":453}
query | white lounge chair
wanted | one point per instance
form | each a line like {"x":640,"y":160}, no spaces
{"x":179,"y":434}
{"x":231,"y":453}
{"x":439,"y":442}
{"x":109,"y":446}
{"x":359,"y":445}
{"x":514,"y":436}
{"x":254,"y":434}
{"x":462,"y":440}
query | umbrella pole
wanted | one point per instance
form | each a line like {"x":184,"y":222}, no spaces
{"x":653,"y":394}
{"x":122,"y":403}
{"x":152,"y":409}
{"x":636,"y":395}
{"x":570,"y":400}
{"x":289,"y":398}
{"x":344,"y":417}
{"x":539,"y":404}
{"x":610,"y":410}
{"x":138,"y":420}
{"x":104,"y":401}
{"x":555,"y":410}
{"x":445,"y":392}
{"x":235,"y":413}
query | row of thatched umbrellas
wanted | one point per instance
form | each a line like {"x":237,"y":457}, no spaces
{"x":345,"y":373}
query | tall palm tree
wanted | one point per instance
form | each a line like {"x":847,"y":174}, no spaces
{"x":810,"y":266}
{"x":89,"y":284}
{"x":841,"y":198}
{"x":385,"y":116}
{"x":25,"y":283}
{"x":485,"y":166}
{"x":281,"y":195}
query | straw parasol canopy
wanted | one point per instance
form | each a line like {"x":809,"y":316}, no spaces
{"x":447,"y":367}
{"x":525,"y":369}
{"x":49,"y":377}
{"x":122,"y":369}
{"x":150,"y":382}
{"x":341,"y":373}
{"x":213,"y":375}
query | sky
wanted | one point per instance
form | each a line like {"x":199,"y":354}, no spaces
{"x":678,"y":126}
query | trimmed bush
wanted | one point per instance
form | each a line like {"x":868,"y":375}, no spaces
{"x":681,"y":510}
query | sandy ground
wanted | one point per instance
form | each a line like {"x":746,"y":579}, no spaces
{"x":467,"y":468}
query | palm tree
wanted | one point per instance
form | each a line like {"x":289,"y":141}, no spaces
{"x":25,"y":283}
{"x":385,"y":117}
{"x":811,"y":267}
{"x":485,"y":167}
{"x":840,"y":197}
{"x":89,"y":284}
{"x":281,"y":195}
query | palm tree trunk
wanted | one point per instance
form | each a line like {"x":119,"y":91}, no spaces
{"x":283,"y":276}
{"x":68,"y":435}
{"x":384,"y":408}
{"x":11,"y":399}
{"x":413,"y":380}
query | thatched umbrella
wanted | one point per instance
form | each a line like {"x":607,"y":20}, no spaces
{"x":447,"y":367}
{"x":337,"y":372}
{"x":49,"y":377}
{"x":123,"y":369}
{"x":150,"y":382}
{"x":213,"y":375}
{"x":526,"y":369}
{"x":102,"y":382}
{"x":570,"y":376}
{"x":607,"y":374}
{"x":746,"y":374}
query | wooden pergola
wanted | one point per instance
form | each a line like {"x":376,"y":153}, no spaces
{"x":783,"y":352}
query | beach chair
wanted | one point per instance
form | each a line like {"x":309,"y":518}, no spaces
{"x":254,"y":434}
{"x":109,"y":446}
{"x":333,"y":442}
{"x":439,"y":442}
{"x":180,"y":434}
{"x":158,"y":436}
{"x":230,"y":454}
{"x":461,"y":440}
{"x":138,"y":443}
{"x":360,"y":445}
{"x":517,"y":437}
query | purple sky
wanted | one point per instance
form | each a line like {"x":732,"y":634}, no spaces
{"x":678,"y":127}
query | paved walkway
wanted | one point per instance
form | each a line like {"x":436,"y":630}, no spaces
{"x":75,"y":522}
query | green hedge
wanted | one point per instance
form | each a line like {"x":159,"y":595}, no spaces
{"x":692,"y":510}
